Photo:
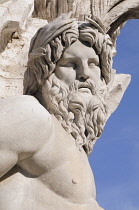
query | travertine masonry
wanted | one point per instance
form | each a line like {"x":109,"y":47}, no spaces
{"x":70,"y":90}
{"x":16,"y":32}
{"x":17,"y":28}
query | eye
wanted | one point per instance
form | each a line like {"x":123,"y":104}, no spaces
{"x":93,"y":63}
{"x":70,"y":65}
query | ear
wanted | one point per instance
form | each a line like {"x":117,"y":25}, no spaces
{"x":116,"y":91}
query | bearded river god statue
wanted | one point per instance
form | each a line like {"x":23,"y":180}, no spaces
{"x":70,"y":90}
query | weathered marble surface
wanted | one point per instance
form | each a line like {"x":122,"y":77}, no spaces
{"x":15,"y":15}
{"x":51,"y":172}
{"x":44,"y":149}
{"x":71,"y":90}
{"x":111,"y":12}
{"x":16,"y":30}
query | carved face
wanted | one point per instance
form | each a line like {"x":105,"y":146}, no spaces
{"x":79,"y":62}
{"x":74,"y":93}
{"x":70,"y":79}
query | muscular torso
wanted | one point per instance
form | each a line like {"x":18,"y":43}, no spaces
{"x":51,"y":172}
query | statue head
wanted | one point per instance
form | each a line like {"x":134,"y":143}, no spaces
{"x":69,"y":69}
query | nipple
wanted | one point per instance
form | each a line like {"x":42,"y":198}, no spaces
{"x":74,"y":181}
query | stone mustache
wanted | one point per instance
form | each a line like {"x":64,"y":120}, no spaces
{"x":69,"y":93}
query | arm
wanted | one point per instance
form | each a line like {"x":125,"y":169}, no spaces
{"x":25,"y":126}
{"x":7,"y":160}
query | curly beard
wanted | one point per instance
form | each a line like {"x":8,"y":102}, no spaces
{"x":79,"y":107}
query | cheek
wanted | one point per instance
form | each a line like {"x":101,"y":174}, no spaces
{"x":95,"y":74}
{"x":67,"y":75}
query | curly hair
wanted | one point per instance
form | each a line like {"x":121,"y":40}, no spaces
{"x":47,"y":47}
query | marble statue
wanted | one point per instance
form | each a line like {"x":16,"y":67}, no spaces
{"x":47,"y":134}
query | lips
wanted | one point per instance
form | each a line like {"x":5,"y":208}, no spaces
{"x":85,"y":90}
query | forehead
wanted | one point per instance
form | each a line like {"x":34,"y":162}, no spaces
{"x":80,"y":50}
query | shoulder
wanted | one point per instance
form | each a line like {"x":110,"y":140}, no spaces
{"x":25,"y":108}
{"x":24,"y":102}
{"x":25,"y":125}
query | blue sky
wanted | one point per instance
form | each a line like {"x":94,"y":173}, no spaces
{"x":115,"y":158}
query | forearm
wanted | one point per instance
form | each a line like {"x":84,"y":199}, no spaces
{"x":7,"y":160}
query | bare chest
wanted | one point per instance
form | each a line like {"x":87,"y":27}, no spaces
{"x":62,"y":168}
{"x":20,"y":192}
{"x":58,"y":168}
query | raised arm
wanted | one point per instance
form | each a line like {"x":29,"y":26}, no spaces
{"x":25,"y":126}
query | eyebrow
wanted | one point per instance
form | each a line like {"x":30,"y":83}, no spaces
{"x":71,"y":59}
{"x":95,"y":60}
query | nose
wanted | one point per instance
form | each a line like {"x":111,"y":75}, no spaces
{"x":83,"y":72}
